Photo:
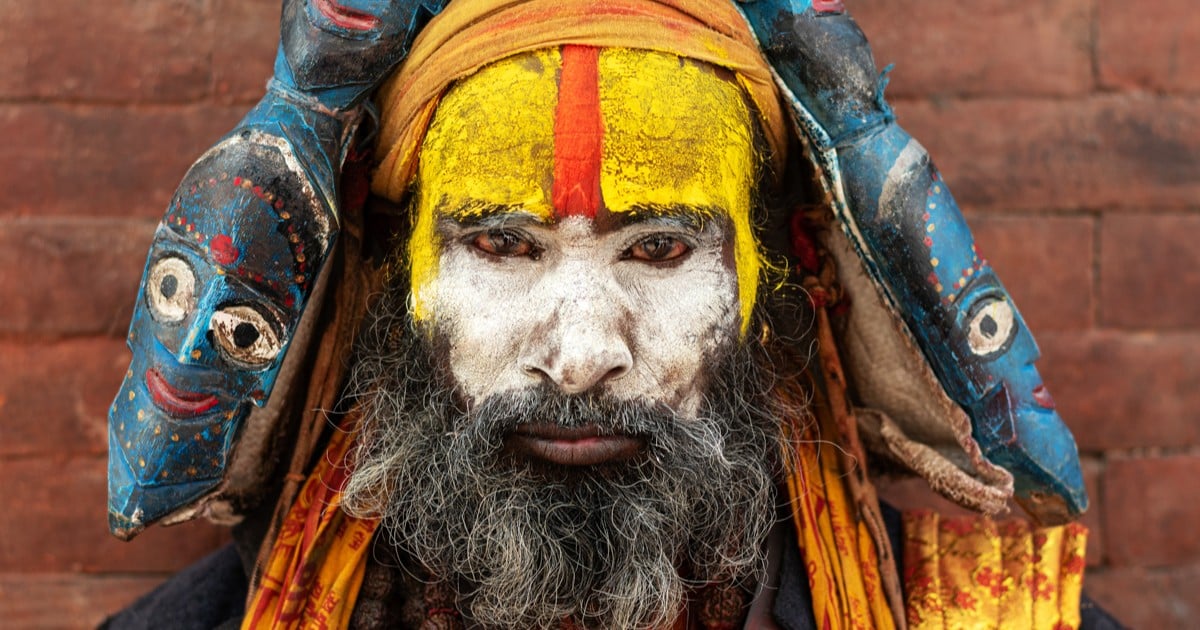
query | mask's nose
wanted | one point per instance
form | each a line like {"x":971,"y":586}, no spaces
{"x":579,"y":343}
{"x":195,"y":343}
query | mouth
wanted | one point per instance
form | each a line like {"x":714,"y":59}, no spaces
{"x":177,"y":402}
{"x":575,"y":446}
{"x":346,"y":17}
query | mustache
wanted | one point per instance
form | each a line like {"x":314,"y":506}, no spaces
{"x":546,"y":405}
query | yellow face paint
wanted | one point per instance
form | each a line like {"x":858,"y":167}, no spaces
{"x":490,"y":144}
{"x":676,"y":135}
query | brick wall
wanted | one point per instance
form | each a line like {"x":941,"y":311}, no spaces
{"x":1069,"y":130}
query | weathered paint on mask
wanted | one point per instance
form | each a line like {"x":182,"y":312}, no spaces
{"x":623,"y":138}
{"x":225,"y":281}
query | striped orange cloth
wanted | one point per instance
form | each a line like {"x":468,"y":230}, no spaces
{"x":318,"y":560}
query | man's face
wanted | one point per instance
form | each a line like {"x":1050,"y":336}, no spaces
{"x":576,"y":226}
{"x":562,"y":420}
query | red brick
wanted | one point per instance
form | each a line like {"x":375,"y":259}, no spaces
{"x":1123,"y":390}
{"x":127,"y":50}
{"x":1045,"y":262}
{"x":950,"y":47}
{"x":1142,"y":598}
{"x":54,"y":396}
{"x":70,"y":276}
{"x":1152,"y":508}
{"x":1112,"y":151}
{"x":246,"y":36}
{"x":1149,"y":46}
{"x":56,"y":520}
{"x":101,"y":160}
{"x":1150,"y":271}
{"x":66,"y":600}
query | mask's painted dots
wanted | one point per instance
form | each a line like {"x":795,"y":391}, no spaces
{"x":158,"y":430}
{"x":121,"y":427}
{"x":939,"y":287}
{"x":224,"y":252}
{"x":196,"y":354}
{"x":132,"y":395}
{"x":930,"y":228}
{"x":128,"y":444}
{"x":934,"y":262}
{"x":299,"y":279}
{"x":174,"y":437}
{"x":191,"y":472}
{"x":141,"y":415}
{"x":141,"y":462}
{"x":128,"y":373}
{"x":928,"y":242}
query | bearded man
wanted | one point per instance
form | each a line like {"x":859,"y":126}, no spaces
{"x":579,"y":394}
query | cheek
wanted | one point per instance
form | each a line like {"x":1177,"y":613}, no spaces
{"x":680,"y":322}
{"x":480,"y":312}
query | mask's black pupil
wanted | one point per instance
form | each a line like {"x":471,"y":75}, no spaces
{"x":988,"y":326}
{"x":168,"y":286}
{"x":244,"y":335}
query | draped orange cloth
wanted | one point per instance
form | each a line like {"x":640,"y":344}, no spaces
{"x":470,"y":34}
{"x":318,"y":560}
{"x":837,"y":547}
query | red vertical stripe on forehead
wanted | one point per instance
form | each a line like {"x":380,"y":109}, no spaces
{"x":578,"y":134}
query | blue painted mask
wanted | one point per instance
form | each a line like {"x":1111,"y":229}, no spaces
{"x":237,"y":254}
{"x":914,"y":242}
{"x":227,"y":275}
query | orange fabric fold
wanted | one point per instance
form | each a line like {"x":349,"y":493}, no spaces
{"x":970,"y":571}
{"x":837,"y":547}
{"x":317,"y":563}
{"x":470,"y":34}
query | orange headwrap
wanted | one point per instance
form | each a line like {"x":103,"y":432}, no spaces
{"x":470,"y":34}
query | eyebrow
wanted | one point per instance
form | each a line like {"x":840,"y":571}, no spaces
{"x":676,"y":215}
{"x":482,"y":214}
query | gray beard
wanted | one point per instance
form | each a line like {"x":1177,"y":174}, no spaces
{"x":528,"y":544}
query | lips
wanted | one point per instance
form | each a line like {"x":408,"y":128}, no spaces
{"x":576,"y":446}
{"x":177,"y":402}
{"x":346,"y":17}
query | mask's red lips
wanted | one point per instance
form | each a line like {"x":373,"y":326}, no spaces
{"x":177,"y":402}
{"x":575,"y":446}
{"x":346,"y":17}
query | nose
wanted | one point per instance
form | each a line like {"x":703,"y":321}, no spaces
{"x":194,"y":343}
{"x":579,"y":344}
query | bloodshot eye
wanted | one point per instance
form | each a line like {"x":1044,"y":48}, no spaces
{"x":170,"y":289}
{"x":658,"y":248}
{"x":244,"y":336}
{"x":991,"y":327}
{"x":504,"y":243}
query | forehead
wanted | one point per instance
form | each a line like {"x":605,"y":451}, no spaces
{"x":552,"y":132}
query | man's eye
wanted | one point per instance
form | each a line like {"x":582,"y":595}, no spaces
{"x":502,"y":243}
{"x":658,"y":248}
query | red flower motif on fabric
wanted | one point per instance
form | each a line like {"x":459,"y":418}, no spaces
{"x":1043,"y":587}
{"x":958,"y":526}
{"x":992,"y":580}
{"x":964,"y":600}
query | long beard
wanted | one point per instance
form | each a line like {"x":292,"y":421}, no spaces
{"x":528,"y":544}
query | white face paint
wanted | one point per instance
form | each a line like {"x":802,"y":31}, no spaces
{"x":584,"y":308}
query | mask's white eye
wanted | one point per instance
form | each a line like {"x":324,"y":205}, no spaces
{"x":244,"y":336}
{"x":171,"y":289}
{"x":991,"y":327}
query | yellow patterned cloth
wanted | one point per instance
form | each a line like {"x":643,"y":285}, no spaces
{"x":837,"y":547}
{"x":317,"y":563}
{"x":971,"y":572}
